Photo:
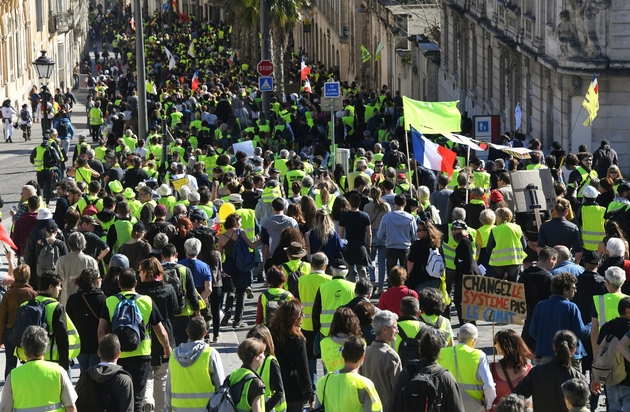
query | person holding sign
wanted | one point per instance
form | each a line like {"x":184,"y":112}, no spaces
{"x":506,"y":246}
{"x":465,"y":263}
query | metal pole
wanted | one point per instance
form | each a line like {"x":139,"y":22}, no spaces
{"x":265,"y":55}
{"x":141,"y":77}
{"x":45,"y":96}
{"x":332,"y":123}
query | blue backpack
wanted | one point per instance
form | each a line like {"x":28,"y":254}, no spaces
{"x":243,"y":259}
{"x":127,"y":323}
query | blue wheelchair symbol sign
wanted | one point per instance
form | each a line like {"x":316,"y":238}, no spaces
{"x":483,"y":127}
{"x":265,"y":84}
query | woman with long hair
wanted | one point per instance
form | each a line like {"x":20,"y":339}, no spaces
{"x":514,"y":366}
{"x":614,"y":173}
{"x":428,"y":237}
{"x":324,"y":196}
{"x":543,"y":382}
{"x":323,"y":237}
{"x":295,"y":211}
{"x":184,"y":229}
{"x":84,"y":308}
{"x":365,"y":312}
{"x":340,"y":206}
{"x":269,"y":371}
{"x":612,"y":229}
{"x":376,"y":209}
{"x":137,"y":248}
{"x":164,"y":298}
{"x":19,"y":292}
{"x":307,"y":204}
{"x":344,"y":324}
{"x":340,"y":179}
{"x":290,"y":347}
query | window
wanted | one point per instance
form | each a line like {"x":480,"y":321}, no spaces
{"x":473,"y":79}
{"x":489,"y":72}
{"x":39,"y":15}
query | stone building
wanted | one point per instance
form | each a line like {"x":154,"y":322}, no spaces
{"x":541,"y":54}
{"x":26,"y":27}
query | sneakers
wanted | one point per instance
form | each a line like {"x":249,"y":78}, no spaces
{"x":249,"y":292}
{"x":226,"y":318}
{"x":217,"y":338}
{"x":239,"y":324}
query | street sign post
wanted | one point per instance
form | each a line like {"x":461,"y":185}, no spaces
{"x":332,"y":92}
{"x":265,"y":83}
{"x":265,"y":68}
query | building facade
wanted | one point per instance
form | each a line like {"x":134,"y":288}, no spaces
{"x":541,"y":54}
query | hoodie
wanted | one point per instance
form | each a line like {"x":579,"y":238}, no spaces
{"x":537,"y":283}
{"x":186,"y":355}
{"x":273,"y":227}
{"x":397,"y":229}
{"x":114,"y":380}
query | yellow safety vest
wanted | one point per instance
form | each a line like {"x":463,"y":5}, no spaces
{"x":331,"y":355}
{"x":481,"y":179}
{"x":52,"y":351}
{"x":264,"y":374}
{"x":243,"y":403}
{"x":449,"y":250}
{"x":36,"y":386}
{"x":168,"y":202}
{"x":483,"y":233}
{"x":411,"y":328}
{"x":271,"y":293}
{"x":83,"y":174}
{"x":145,"y":305}
{"x":295,"y":176}
{"x":191,"y":386}
{"x":308,"y":285}
{"x":39,"y":159}
{"x":508,"y":249}
{"x":586,"y":180}
{"x":342,"y":395}
{"x":607,"y":307}
{"x":124,"y":227}
{"x":96,"y":116}
{"x":592,"y":226}
{"x":100,"y":153}
{"x":334,"y":293}
{"x":462,"y":362}
{"x":248,"y":220}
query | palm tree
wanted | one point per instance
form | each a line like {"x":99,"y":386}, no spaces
{"x":245,"y":19}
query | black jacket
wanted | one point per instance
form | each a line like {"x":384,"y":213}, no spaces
{"x":537,"y":282}
{"x":114,"y":381}
{"x":84,"y":319}
{"x":447,"y":386}
{"x":589,"y":284}
{"x":165,"y":299}
{"x":293,"y":362}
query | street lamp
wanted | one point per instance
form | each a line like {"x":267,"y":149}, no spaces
{"x":44,"y":67}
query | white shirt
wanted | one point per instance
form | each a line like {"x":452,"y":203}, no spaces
{"x":8,"y":112}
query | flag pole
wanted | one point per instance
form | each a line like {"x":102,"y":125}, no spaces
{"x":469,"y":173}
{"x":576,"y":120}
{"x":409,"y":164}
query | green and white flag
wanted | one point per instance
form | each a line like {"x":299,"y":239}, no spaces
{"x":365,"y":54}
{"x":377,"y":53}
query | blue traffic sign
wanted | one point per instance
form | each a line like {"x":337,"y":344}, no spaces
{"x":165,"y":6}
{"x":265,"y":84}
{"x":331,"y":90}
{"x":483,"y":126}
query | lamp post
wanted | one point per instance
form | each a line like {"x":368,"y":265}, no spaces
{"x":44,"y":67}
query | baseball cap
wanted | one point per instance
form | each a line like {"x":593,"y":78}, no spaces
{"x":119,"y":261}
{"x":51,"y":227}
{"x":591,"y":257}
{"x":273,"y":170}
{"x":44,"y":214}
{"x":401,"y":176}
{"x":590,"y":192}
{"x":88,"y":220}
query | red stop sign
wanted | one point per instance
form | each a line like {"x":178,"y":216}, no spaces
{"x":265,"y":68}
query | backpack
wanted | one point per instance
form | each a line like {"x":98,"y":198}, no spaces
{"x":94,"y":396}
{"x":608,"y":363}
{"x":436,"y":328}
{"x":127,"y":323}
{"x":421,"y":393}
{"x":408,"y":350}
{"x":225,"y":398}
{"x":90,"y":209}
{"x":90,"y":82}
{"x":62,"y":128}
{"x":435,"y":264}
{"x":241,"y":255}
{"x":25,"y":115}
{"x":292,"y":277}
{"x":48,"y":257}
{"x":51,"y":157}
{"x":33,"y":313}
{"x":620,"y":216}
{"x":273,"y":303}
{"x":173,"y":276}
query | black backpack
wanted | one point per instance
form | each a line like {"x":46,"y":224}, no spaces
{"x":173,"y":276}
{"x":409,"y":347}
{"x":62,"y":128}
{"x":273,"y":303}
{"x":25,"y":115}
{"x":51,"y":157}
{"x":292,"y":277}
{"x":33,"y":313}
{"x":421,"y":393}
{"x":620,"y":216}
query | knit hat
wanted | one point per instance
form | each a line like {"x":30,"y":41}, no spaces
{"x":496,"y":196}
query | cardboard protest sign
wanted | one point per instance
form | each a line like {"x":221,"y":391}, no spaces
{"x":179,"y":183}
{"x":246,"y":146}
{"x":543,"y":196}
{"x":493,"y":300}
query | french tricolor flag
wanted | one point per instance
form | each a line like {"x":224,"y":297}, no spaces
{"x":307,"y":86}
{"x":304,"y":70}
{"x":195,"y":81}
{"x":431,"y":155}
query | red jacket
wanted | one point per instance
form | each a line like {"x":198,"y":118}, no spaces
{"x":23,"y":227}
{"x":390,"y":300}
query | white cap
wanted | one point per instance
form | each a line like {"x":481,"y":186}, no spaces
{"x":590,"y":192}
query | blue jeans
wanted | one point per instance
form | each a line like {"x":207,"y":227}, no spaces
{"x":382,"y":271}
{"x":9,"y":348}
{"x":87,"y":360}
{"x":618,"y":397}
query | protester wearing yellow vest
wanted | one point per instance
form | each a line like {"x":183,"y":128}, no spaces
{"x":606,"y":307}
{"x":82,"y":172}
{"x":146,"y":213}
{"x":245,"y":381}
{"x":195,"y":371}
{"x":581,"y":177}
{"x":269,"y":371}
{"x":275,"y":295}
{"x":330,"y":296}
{"x":506,"y":246}
{"x":347,"y":391}
{"x":96,"y":120}
{"x":469,"y":367}
{"x":38,"y":385}
{"x":135,"y":361}
{"x":487,"y":219}
{"x":64,"y":343}
{"x":120,"y":231}
{"x":592,"y":216}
